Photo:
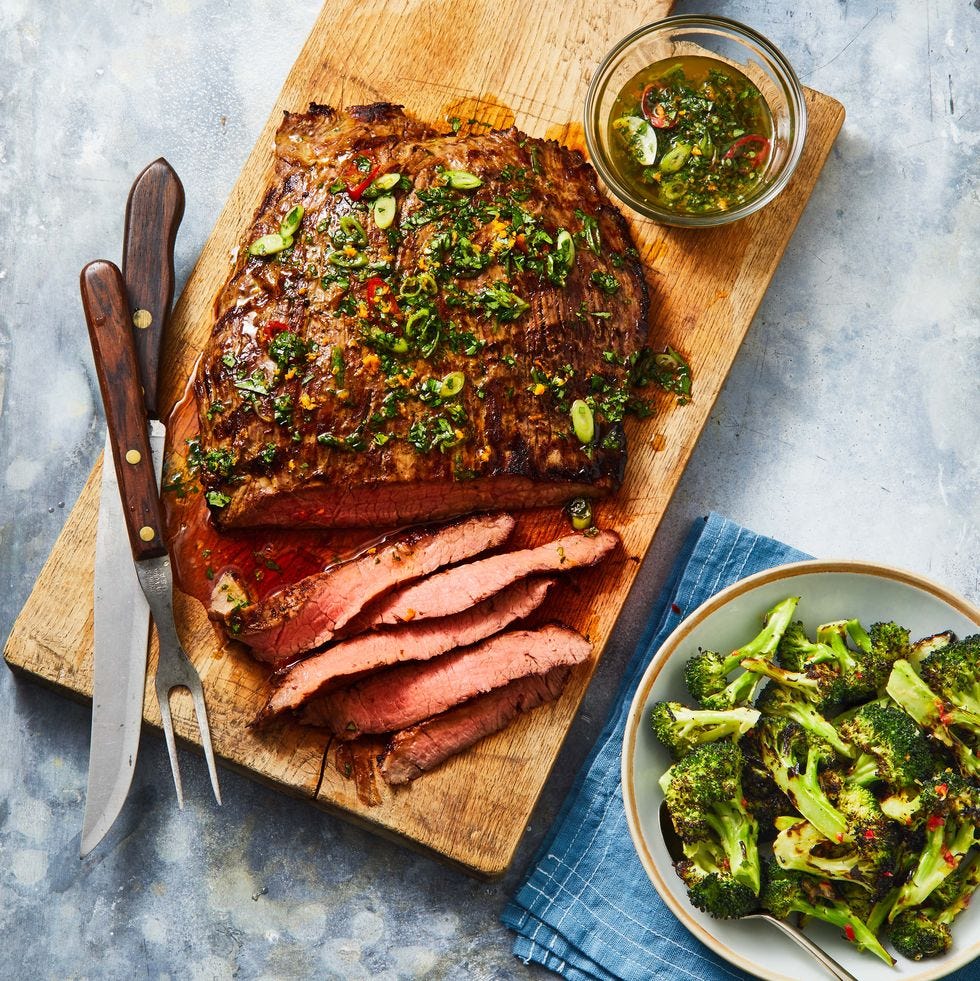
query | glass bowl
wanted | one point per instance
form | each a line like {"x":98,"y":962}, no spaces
{"x":714,"y":37}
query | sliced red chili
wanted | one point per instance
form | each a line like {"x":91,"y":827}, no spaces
{"x":356,"y":190}
{"x":934,"y":822}
{"x":377,"y":290}
{"x":736,"y":150}
{"x":849,"y":932}
{"x":656,"y":114}
{"x":272,"y":327}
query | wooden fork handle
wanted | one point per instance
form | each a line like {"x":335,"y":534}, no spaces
{"x":107,"y":314}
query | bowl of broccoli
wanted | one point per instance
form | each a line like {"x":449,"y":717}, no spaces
{"x":814,"y":734}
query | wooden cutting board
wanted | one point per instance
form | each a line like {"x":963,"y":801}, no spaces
{"x":510,"y":61}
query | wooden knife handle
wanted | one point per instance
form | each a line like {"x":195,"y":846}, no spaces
{"x":107,"y":314}
{"x":153,"y":213}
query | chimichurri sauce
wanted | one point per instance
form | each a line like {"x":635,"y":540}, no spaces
{"x":691,"y":135}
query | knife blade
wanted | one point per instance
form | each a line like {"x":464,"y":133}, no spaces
{"x":153,"y":214}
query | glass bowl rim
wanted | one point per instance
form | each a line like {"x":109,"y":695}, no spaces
{"x":738,"y":32}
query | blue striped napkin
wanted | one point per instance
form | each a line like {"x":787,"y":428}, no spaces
{"x":586,"y":908}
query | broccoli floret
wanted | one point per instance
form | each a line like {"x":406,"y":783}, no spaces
{"x":763,"y":799}
{"x":680,"y":728}
{"x":889,"y":641}
{"x":866,"y":863}
{"x":925,"y":932}
{"x":953,"y":808}
{"x":896,"y":750}
{"x":923,"y":647}
{"x":953,"y":672}
{"x":787,"y":704}
{"x":785,"y":891}
{"x":715,"y":892}
{"x":703,"y":791}
{"x":707,"y":672}
{"x":793,"y":759}
{"x":821,"y":683}
{"x":796,"y":652}
{"x":936,"y":715}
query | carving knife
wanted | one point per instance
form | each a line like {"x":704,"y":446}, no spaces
{"x":153,"y":213}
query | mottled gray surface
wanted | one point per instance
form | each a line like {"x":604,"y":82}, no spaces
{"x":848,"y":427}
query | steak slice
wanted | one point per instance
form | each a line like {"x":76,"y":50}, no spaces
{"x":353,"y":658}
{"x":308,"y":613}
{"x":423,"y":747}
{"x":320,"y":392}
{"x":466,"y":585}
{"x":403,"y":696}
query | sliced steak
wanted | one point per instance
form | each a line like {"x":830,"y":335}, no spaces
{"x":350,"y":659}
{"x":423,"y":747}
{"x":403,"y":696}
{"x":308,"y":613}
{"x":319,"y":392}
{"x":460,"y":588}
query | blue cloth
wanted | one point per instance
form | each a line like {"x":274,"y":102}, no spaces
{"x":578,"y":911}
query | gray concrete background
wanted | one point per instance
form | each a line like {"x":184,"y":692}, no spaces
{"x":848,"y":427}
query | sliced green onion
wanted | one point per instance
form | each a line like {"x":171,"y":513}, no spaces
{"x":385,"y":182}
{"x":353,"y":229}
{"x":270,"y":244}
{"x":640,"y":138}
{"x":565,"y":248}
{"x":674,"y":159}
{"x":384,"y":210}
{"x":583,"y":422}
{"x":580,"y":513}
{"x":355,"y":261}
{"x":290,"y":223}
{"x":452,"y":385}
{"x":462,"y":180}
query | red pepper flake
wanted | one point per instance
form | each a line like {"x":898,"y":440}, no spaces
{"x":745,"y":803}
{"x":869,"y":833}
{"x":849,"y":932}
{"x":272,"y":327}
{"x":840,"y":837}
{"x":934,"y":822}
{"x":888,"y":875}
{"x":676,"y":609}
{"x":950,"y":859}
{"x":942,"y":789}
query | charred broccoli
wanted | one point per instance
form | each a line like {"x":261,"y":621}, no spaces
{"x":680,"y":728}
{"x":785,"y":891}
{"x":703,"y":791}
{"x":894,"y":748}
{"x":707,"y":672}
{"x":785,"y":703}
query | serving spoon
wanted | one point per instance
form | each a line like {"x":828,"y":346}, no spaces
{"x":676,"y":851}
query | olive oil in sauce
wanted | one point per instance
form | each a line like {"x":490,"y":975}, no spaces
{"x":691,"y":135}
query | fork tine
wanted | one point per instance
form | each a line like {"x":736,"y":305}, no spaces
{"x":163,"y":698}
{"x":202,"y":721}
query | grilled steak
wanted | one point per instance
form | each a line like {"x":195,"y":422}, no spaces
{"x":350,"y":659}
{"x":423,"y":747}
{"x":415,"y":350}
{"x":468,"y":584}
{"x":308,"y":613}
{"x":405,"y":695}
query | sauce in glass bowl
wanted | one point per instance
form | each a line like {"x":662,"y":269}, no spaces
{"x":691,"y":134}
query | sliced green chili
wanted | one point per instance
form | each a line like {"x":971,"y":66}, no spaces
{"x":384,"y":211}
{"x":462,"y":180}
{"x":356,"y":261}
{"x":290,"y":223}
{"x":452,"y":385}
{"x":270,"y":244}
{"x":582,"y":421}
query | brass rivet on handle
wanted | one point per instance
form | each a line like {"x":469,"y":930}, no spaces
{"x":142,"y":319}
{"x":147,"y":533}
{"x":133,"y":456}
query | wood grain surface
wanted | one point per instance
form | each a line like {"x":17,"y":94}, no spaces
{"x":500,"y":63}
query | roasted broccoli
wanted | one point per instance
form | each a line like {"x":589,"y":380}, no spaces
{"x":785,"y":891}
{"x":794,"y":760}
{"x":953,"y":672}
{"x":703,"y":791}
{"x":951,"y":723}
{"x":714,"y":890}
{"x":952,"y":806}
{"x":894,"y":748}
{"x":707,"y":672}
{"x":762,"y":797}
{"x":786,"y":703}
{"x":680,"y":728}
{"x":925,"y":932}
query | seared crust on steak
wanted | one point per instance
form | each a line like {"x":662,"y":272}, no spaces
{"x":342,"y":423}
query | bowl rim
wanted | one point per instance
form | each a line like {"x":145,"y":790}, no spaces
{"x":714,"y":219}
{"x":670,"y":646}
